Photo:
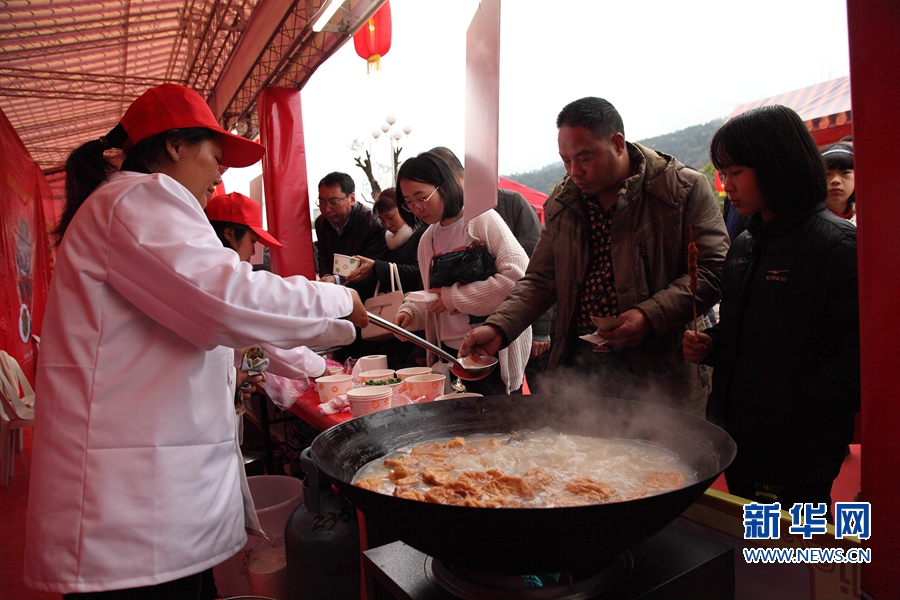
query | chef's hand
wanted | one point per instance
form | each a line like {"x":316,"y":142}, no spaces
{"x":365,"y":268}
{"x":696,"y":346}
{"x":481,"y":341}
{"x":538,"y":348}
{"x":359,"y":316}
{"x":327,"y":279}
{"x":402,"y":319}
{"x":245,"y":378}
{"x":437,"y":306}
{"x":633,"y":328}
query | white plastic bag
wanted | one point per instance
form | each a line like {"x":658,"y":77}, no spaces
{"x":283,"y":391}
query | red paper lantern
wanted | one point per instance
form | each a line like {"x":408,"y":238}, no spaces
{"x":374,"y":39}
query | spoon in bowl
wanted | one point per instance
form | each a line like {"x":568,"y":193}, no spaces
{"x":469,"y":368}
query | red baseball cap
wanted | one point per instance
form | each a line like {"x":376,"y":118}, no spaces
{"x":172,"y":106}
{"x":238,"y":208}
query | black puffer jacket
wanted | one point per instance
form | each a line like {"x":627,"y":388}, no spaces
{"x":786,"y":349}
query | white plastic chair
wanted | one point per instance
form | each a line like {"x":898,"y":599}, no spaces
{"x":17,"y":412}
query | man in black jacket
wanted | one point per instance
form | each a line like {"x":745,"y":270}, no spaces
{"x":345,"y":227}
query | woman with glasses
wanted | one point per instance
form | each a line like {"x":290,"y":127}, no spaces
{"x":402,"y":232}
{"x":785,"y":353}
{"x":428,"y":189}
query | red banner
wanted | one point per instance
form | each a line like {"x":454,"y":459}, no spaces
{"x":285,"y":182}
{"x":27,"y":257}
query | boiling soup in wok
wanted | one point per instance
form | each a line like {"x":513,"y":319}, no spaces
{"x":533,"y":469}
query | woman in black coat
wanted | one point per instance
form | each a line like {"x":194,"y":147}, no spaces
{"x":402,"y":233}
{"x":403,"y":230}
{"x":785,"y":353}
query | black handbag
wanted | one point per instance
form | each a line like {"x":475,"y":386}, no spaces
{"x":473,"y":263}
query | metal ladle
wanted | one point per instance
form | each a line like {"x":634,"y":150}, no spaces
{"x":475,"y":368}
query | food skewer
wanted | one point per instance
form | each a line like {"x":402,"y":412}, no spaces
{"x":692,"y":273}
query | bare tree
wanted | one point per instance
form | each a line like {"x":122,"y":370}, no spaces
{"x":366,"y":166}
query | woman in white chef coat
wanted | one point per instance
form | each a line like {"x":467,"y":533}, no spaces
{"x":136,"y":483}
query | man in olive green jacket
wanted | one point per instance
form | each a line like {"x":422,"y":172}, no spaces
{"x":621,"y":222}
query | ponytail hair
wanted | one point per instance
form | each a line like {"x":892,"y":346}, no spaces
{"x":87,"y":166}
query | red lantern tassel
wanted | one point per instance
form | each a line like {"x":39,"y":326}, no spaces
{"x":373,"y":62}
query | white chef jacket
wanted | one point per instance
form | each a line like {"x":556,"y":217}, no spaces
{"x":135,"y":477}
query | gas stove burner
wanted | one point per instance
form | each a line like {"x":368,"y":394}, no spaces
{"x":471,"y":584}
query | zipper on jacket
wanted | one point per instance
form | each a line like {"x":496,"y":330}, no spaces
{"x":646,"y":260}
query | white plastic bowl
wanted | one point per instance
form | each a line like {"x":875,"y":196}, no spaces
{"x":421,"y":299}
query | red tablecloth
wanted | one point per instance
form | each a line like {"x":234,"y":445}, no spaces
{"x":307,"y":408}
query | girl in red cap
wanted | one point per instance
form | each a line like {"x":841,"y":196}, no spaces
{"x":137,"y":484}
{"x":237,"y":220}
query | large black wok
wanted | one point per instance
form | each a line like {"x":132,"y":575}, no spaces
{"x":533,"y":540}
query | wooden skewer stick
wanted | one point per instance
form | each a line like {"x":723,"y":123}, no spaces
{"x":692,"y":273}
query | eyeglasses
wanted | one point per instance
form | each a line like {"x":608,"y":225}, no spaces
{"x":409,"y":205}
{"x":331,"y":202}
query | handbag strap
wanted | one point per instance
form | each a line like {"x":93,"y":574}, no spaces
{"x":395,"y":274}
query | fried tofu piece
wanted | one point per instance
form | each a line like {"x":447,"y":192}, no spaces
{"x":430,"y":460}
{"x":433,"y":448}
{"x":373,"y":484}
{"x":664,"y":480}
{"x":503,"y":502}
{"x":408,"y":493}
{"x":391,"y":463}
{"x":634,"y":495}
{"x":461,"y":487}
{"x":400,"y":472}
{"x":457,"y":442}
{"x":479,"y":478}
{"x":436,"y":477}
{"x":590,"y":488}
{"x":508,"y":485}
{"x":410,"y":480}
{"x":539,"y":479}
{"x":441,"y":495}
{"x":564,"y":500}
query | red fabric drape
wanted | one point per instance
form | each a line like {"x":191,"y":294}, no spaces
{"x":874,"y":47}
{"x":285,"y":182}
{"x":27,"y":256}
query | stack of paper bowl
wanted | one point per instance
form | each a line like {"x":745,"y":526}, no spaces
{"x":397,"y":387}
{"x":369,"y":398}
{"x":267,"y":573}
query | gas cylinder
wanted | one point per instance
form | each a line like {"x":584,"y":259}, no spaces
{"x":322,"y":541}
